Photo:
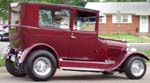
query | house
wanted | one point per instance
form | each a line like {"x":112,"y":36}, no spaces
{"x":123,"y":17}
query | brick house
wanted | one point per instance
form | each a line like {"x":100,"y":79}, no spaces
{"x":123,"y":17}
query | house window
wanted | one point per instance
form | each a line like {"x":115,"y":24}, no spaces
{"x":118,"y":19}
{"x":122,"y":19}
{"x":102,"y":19}
{"x":125,"y":18}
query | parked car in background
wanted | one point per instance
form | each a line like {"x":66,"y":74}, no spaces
{"x":4,"y":32}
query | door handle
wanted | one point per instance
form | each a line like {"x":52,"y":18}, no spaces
{"x":73,"y":37}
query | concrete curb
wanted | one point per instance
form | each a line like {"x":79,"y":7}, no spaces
{"x":3,"y":69}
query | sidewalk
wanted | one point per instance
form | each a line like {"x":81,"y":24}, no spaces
{"x":3,"y":69}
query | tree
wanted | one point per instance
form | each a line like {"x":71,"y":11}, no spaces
{"x":4,"y":5}
{"x":4,"y":8}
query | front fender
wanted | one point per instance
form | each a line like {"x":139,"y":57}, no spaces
{"x":121,"y":61}
{"x":128,"y":55}
{"x":28,"y":50}
{"x":137,"y":54}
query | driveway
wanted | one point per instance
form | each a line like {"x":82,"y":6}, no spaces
{"x":76,"y":77}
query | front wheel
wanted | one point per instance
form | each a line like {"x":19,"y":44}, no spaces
{"x":13,"y":69}
{"x":40,"y":65}
{"x":135,"y":67}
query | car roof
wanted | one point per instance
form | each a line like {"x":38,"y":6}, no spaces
{"x":62,"y":5}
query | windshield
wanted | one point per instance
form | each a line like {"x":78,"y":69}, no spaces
{"x":14,"y":12}
{"x":85,"y":21}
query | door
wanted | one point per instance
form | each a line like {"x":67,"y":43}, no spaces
{"x":54,"y":29}
{"x":83,"y":46}
{"x":143,"y":23}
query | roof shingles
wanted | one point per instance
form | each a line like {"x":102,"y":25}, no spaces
{"x":136,"y":8}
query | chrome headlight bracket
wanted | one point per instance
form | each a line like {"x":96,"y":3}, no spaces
{"x":130,"y":49}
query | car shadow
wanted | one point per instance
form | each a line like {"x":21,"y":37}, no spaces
{"x":75,"y":78}
{"x":89,"y":77}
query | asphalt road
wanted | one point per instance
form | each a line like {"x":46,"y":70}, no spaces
{"x":76,"y":77}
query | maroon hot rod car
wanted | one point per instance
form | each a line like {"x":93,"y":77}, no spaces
{"x":45,"y":37}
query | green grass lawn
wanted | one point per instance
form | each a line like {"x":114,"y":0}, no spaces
{"x":2,"y":62}
{"x":146,"y":52}
{"x":127,"y":37}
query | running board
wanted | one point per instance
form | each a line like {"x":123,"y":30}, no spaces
{"x":81,"y":69}
{"x":85,"y":65}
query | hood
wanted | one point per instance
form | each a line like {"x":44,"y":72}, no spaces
{"x":115,"y":48}
{"x":113,"y":42}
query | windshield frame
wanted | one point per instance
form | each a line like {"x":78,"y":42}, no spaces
{"x":88,"y":13}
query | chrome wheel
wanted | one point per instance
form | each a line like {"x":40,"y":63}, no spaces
{"x":42,"y":66}
{"x":137,"y":68}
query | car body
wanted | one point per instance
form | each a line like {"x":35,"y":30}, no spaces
{"x":40,"y":43}
{"x":4,"y":33}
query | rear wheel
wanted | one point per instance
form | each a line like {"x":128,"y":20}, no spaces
{"x":135,"y":67}
{"x":41,"y":65}
{"x":13,"y":69}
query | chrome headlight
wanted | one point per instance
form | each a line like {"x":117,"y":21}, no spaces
{"x":130,"y":49}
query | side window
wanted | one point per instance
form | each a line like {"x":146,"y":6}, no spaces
{"x":54,"y":18}
{"x":84,"y":21}
{"x":45,"y":17}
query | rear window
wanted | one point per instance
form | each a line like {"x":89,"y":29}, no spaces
{"x":15,"y":13}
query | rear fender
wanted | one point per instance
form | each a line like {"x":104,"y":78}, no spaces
{"x":26,"y":52}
